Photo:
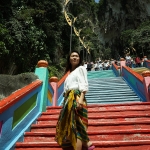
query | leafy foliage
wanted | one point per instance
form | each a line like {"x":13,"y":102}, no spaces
{"x":139,"y":38}
{"x":33,"y":30}
{"x":126,"y":37}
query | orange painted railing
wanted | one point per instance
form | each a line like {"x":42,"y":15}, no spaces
{"x":116,"y":70}
{"x":138,"y":76}
{"x":20,"y":109}
{"x":17,"y":112}
{"x":135,"y":81}
{"x":17,"y":95}
{"x":62,"y":79}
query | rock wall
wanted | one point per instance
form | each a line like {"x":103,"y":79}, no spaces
{"x":112,"y":19}
{"x":122,"y":15}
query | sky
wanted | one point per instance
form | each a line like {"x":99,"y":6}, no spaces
{"x":96,"y":1}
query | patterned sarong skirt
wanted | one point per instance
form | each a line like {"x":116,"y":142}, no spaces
{"x":73,"y":122}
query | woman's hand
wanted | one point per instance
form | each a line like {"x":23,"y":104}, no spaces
{"x":80,"y":100}
{"x":79,"y":105}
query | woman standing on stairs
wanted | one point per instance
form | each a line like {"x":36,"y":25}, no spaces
{"x":71,"y":128}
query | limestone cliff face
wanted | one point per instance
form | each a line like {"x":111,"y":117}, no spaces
{"x":120,"y":15}
{"x":108,"y":22}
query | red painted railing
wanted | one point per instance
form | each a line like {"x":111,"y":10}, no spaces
{"x":138,"y":76}
{"x":17,"y":95}
{"x":149,"y":90}
{"x":62,"y":79}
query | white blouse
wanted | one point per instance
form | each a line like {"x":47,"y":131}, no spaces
{"x":128,"y":58}
{"x":77,"y":79}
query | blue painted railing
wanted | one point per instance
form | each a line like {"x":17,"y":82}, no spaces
{"x":116,"y":70}
{"x":147,"y":64}
{"x":135,"y":81}
{"x":21,"y":109}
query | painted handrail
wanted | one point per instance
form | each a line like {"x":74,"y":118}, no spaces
{"x":149,"y":91}
{"x":42,"y":72}
{"x":17,"y":112}
{"x":61,"y":89}
{"x":9,"y":101}
{"x":146,"y":86}
{"x":115,"y":69}
{"x":53,"y":82}
{"x":57,"y":87}
{"x":135,"y":74}
{"x":147,"y":63}
{"x":50,"y":95}
{"x":135,"y":81}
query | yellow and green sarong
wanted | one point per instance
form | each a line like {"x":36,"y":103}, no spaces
{"x":72,"y":122}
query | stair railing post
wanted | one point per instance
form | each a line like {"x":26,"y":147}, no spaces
{"x":54,"y":84}
{"x":146,"y":75}
{"x":122,"y":63}
{"x":43,"y":73}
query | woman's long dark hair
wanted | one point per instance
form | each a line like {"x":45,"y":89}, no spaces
{"x":68,"y":66}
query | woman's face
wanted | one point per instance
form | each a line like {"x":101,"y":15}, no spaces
{"x":74,"y":59}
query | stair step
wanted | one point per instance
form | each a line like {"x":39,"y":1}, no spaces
{"x":116,"y":79}
{"x":104,"y":116}
{"x":102,"y":74}
{"x":110,"y":107}
{"x":98,"y":132}
{"x":106,"y":80}
{"x":120,"y":93}
{"x":113,"y":102}
{"x":102,"y":109}
{"x":105,"y":100}
{"x":112,"y":97}
{"x":122,"y":120}
{"x":137,"y":147}
{"x":100,"y":71}
{"x":99,"y":122}
{"x":110,"y":88}
{"x":46,"y":137}
{"x":98,"y":128}
{"x":98,"y":144}
{"x":102,"y":121}
{"x":119,"y":79}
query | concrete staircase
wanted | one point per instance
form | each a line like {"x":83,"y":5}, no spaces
{"x":106,"y":88}
{"x":111,"y":127}
{"x":123,"y":125}
{"x":110,"y":90}
{"x":100,"y":74}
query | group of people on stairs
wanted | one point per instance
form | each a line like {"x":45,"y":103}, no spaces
{"x":98,"y":65}
{"x":134,"y":62}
